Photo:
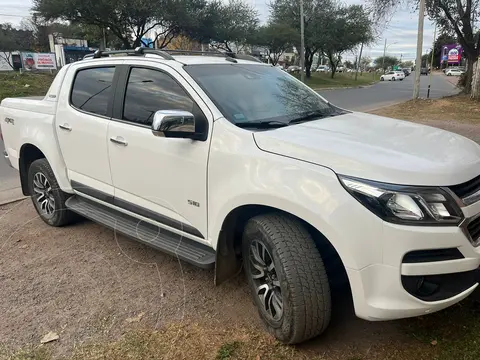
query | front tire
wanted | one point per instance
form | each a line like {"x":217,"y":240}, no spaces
{"x":47,"y":197}
{"x":393,"y":79}
{"x":287,"y":277}
{"x":382,"y":79}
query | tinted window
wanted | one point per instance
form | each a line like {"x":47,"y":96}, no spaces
{"x":248,"y":93}
{"x":149,"y":91}
{"x":92,"y":89}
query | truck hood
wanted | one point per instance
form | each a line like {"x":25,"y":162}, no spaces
{"x":378,"y":148}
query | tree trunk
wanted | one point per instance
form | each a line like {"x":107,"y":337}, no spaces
{"x":471,"y":59}
{"x":308,"y":65}
{"x":475,"y":94}
{"x":308,"y":62}
{"x":333,"y":65}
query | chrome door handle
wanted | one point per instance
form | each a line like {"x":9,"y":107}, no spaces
{"x":119,"y":140}
{"x":65,"y":127}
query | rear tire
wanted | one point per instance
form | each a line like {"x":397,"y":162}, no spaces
{"x":47,"y":197}
{"x":287,"y":277}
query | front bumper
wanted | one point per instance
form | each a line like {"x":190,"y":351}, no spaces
{"x":7,"y":159}
{"x":395,"y":289}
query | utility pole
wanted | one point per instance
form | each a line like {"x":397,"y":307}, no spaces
{"x":431,"y":61}
{"x":358,"y":61}
{"x":384,"y":51}
{"x":418,"y":62}
{"x":302,"y":43}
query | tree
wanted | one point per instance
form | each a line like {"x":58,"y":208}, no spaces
{"x":234,"y":25}
{"x":128,"y":20}
{"x":276,"y":38}
{"x":348,"y":64}
{"x":12,"y":39}
{"x":385,"y":62}
{"x":316,"y":20}
{"x":442,"y":40}
{"x":426,"y":58}
{"x":365,"y":62}
{"x":452,"y":16}
{"x":406,"y":64}
{"x":348,"y":27}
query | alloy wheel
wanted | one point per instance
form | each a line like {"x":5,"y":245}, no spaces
{"x":43,"y":195}
{"x":265,"y":279}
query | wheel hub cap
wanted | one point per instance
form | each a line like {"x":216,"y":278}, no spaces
{"x":267,"y":285}
{"x":43,"y":194}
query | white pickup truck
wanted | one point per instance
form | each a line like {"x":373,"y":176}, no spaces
{"x":223,"y":161}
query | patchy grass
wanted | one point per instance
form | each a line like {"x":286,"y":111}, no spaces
{"x":451,"y":334}
{"x":38,"y":353}
{"x":13,"y":84}
{"x":458,"y":108}
{"x":324,"y":80}
{"x":227,"y":350}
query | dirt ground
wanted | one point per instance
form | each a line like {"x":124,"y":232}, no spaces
{"x":94,"y":289}
{"x":457,"y":114}
{"x":88,"y":285}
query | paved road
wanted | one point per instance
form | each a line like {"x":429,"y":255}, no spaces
{"x":388,"y":93}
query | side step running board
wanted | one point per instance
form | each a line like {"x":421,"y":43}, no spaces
{"x":149,"y":234}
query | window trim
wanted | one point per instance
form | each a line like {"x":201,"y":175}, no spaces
{"x":121,"y":92}
{"x":111,"y":96}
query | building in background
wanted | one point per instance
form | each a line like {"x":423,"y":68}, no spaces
{"x":68,"y":50}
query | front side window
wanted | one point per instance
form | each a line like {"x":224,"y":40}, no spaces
{"x":149,"y":91}
{"x":92,"y":89}
{"x":248,"y":95}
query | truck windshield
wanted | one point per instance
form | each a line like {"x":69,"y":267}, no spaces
{"x":259,"y":95}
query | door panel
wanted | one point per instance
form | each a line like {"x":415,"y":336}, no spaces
{"x":163,"y":175}
{"x":82,"y":124}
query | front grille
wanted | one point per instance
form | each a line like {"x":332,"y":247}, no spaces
{"x":474,"y":229}
{"x":420,"y":256}
{"x":468,"y":188}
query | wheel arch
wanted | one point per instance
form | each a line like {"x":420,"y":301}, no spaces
{"x":229,"y":262}
{"x":29,"y":152}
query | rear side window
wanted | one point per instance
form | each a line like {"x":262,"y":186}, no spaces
{"x":92,"y":89}
{"x":149,"y":91}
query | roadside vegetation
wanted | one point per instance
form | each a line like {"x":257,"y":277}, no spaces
{"x":459,"y":108}
{"x":13,"y":84}
{"x":324,"y":80}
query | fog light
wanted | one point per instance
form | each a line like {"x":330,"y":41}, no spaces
{"x":426,"y":288}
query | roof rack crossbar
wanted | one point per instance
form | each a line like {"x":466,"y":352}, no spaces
{"x":137,"y":51}
{"x":166,"y":53}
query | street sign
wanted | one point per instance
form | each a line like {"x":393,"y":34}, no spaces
{"x":396,"y":67}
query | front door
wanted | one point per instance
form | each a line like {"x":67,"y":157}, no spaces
{"x":81,"y":125}
{"x":160,"y":178}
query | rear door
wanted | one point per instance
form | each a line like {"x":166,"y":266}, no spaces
{"x":83,"y":114}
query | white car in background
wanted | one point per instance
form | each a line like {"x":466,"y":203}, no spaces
{"x":392,"y":76}
{"x":454,"y":72}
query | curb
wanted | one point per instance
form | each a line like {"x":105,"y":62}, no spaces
{"x":344,"y":87}
{"x":10,"y":201}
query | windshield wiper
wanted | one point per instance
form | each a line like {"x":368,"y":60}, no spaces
{"x":262,"y":124}
{"x":311,"y":115}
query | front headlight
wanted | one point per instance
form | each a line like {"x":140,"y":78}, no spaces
{"x":402,"y":204}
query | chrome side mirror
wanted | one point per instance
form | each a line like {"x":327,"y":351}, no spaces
{"x":174,"y":123}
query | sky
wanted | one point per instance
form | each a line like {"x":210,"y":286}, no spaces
{"x":400,"y":32}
